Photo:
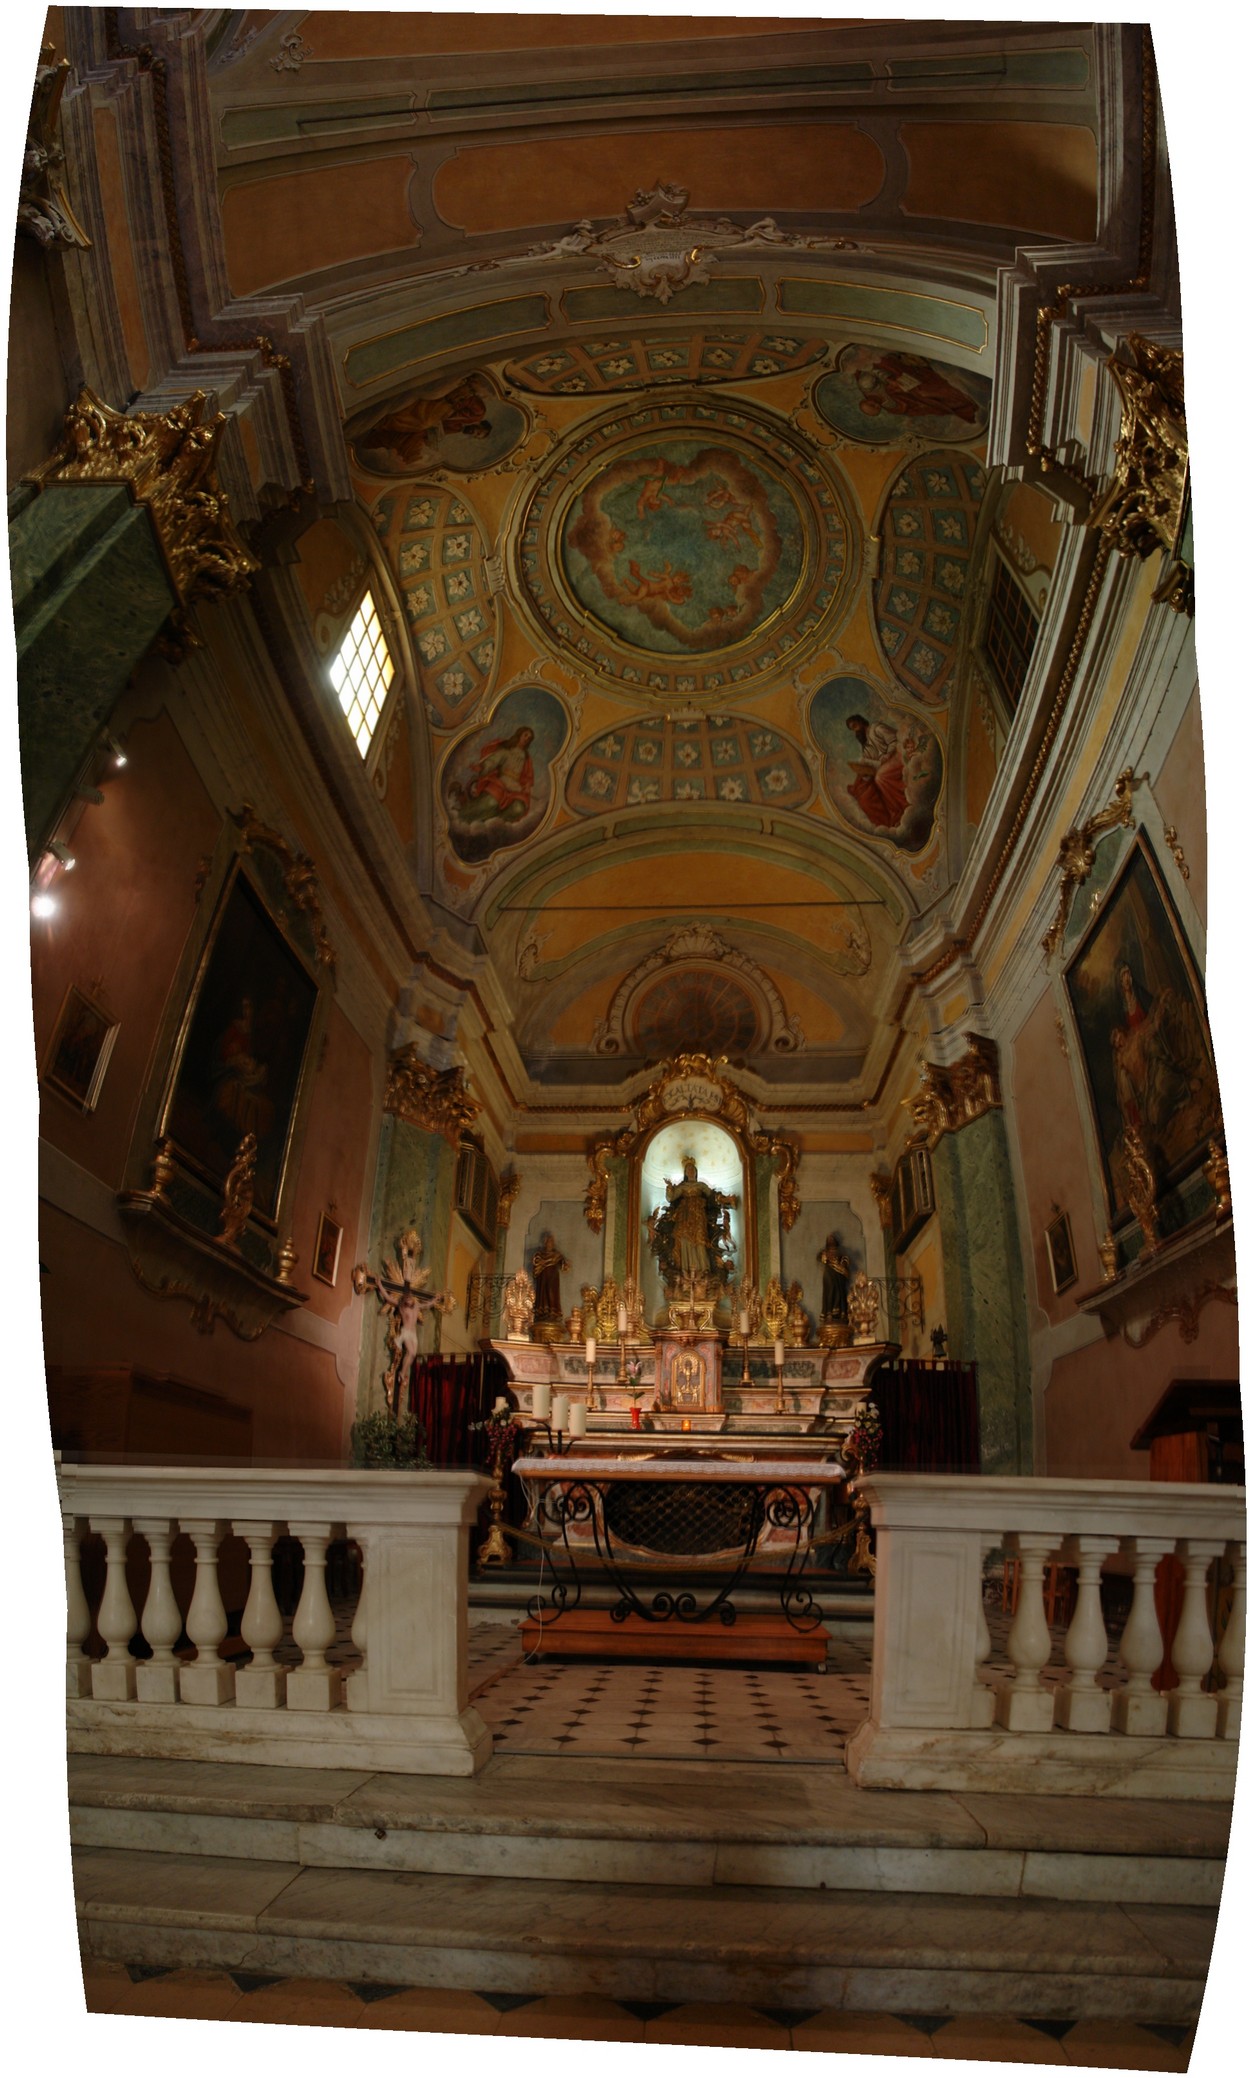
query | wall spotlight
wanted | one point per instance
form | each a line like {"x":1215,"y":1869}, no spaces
{"x":63,"y":855}
{"x":43,"y":904}
{"x":117,"y":753}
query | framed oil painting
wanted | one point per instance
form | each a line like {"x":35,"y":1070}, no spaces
{"x":78,"y":1057}
{"x":325,"y":1263}
{"x":1142,"y":1030}
{"x":1060,"y":1253}
{"x":244,"y":1046}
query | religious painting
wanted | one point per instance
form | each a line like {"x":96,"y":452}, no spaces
{"x":244,"y":1047}
{"x":325,"y":1262}
{"x":1059,"y":1252}
{"x":78,"y":1057}
{"x":496,"y":785}
{"x":877,"y":394}
{"x":1142,"y":1029}
{"x":465,"y":426}
{"x":681,"y":546}
{"x":883,"y":765}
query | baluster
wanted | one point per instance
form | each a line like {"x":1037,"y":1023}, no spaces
{"x":1026,"y":1706}
{"x":983,"y":1696}
{"x":1137,"y":1708}
{"x":77,"y":1614}
{"x":1191,"y":1714}
{"x":1082,"y":1706}
{"x":206,"y":1679}
{"x":156,"y":1680}
{"x":113,"y":1678}
{"x":262,"y":1685}
{"x":314,"y":1685}
{"x":1232,"y":1654}
{"x":357,"y":1685}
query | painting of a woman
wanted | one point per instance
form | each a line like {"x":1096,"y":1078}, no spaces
{"x":502,"y":784}
{"x":496,"y":784}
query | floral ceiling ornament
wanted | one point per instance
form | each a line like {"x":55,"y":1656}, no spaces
{"x":1076,"y":852}
{"x":655,"y":248}
{"x":692,"y":1085}
{"x":436,"y":1099}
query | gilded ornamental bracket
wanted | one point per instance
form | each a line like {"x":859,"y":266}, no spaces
{"x":950,"y":1098}
{"x":1144,"y":506}
{"x":168,"y":460}
{"x":44,"y":210}
{"x":692,"y":1085}
{"x":436,"y":1099}
{"x":1076,"y":852}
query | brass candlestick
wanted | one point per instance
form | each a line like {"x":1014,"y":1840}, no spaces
{"x":781,"y":1398}
{"x":494,"y":1549}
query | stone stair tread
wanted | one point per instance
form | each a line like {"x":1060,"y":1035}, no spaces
{"x":529,"y":1796}
{"x":752,"y":1925}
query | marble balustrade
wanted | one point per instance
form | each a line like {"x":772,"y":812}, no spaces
{"x":404,"y":1708}
{"x":938,"y":1720}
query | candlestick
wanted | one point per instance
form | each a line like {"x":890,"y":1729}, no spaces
{"x":779,"y":1360}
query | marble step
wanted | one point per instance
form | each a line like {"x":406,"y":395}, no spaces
{"x":657,"y":1824}
{"x":861,"y":1950}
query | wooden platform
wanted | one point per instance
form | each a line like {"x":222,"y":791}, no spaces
{"x":591,"y":1634}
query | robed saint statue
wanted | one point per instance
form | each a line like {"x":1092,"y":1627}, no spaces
{"x":690,"y":1233}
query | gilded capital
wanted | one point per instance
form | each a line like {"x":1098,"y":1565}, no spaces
{"x":1142,"y":508}
{"x":949,"y":1098}
{"x":437,"y":1099}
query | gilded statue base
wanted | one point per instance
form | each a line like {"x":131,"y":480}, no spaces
{"x":835,"y":1334}
{"x":547,"y":1331}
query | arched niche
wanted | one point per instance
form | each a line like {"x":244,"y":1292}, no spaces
{"x":722,"y":1162}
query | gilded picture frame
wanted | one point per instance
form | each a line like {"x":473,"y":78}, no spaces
{"x":325,"y":1262}
{"x":1139,"y":1014}
{"x":1060,"y":1254}
{"x":81,"y":1048}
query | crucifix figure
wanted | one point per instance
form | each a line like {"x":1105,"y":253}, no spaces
{"x":402,"y":1296}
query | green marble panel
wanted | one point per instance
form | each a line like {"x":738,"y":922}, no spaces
{"x":767,"y":1241}
{"x":90,"y":593}
{"x":653,"y":86}
{"x":482,"y":324}
{"x":618,"y":1186}
{"x":415,"y":1177}
{"x":1066,"y":65}
{"x":898,"y":310}
{"x":984,"y":1276}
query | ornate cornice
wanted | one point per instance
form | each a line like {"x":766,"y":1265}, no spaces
{"x":436,"y":1099}
{"x":1076,"y":852}
{"x":1143,"y":506}
{"x":44,"y":210}
{"x":168,"y":461}
{"x":692,"y":1085}
{"x":950,"y":1098}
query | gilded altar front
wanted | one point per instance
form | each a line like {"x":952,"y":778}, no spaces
{"x":688,"y":1373}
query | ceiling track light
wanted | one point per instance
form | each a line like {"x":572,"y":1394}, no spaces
{"x":63,"y":855}
{"x":116,"y":752}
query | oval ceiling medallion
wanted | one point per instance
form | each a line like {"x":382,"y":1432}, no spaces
{"x":682,"y":548}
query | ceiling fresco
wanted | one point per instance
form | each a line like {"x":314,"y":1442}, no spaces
{"x":584,"y":587}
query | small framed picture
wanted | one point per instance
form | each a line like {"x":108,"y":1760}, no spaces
{"x":1059,"y":1251}
{"x":78,"y":1057}
{"x":325,"y":1263}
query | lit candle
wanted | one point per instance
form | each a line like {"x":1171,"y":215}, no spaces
{"x":779,"y":1353}
{"x":590,"y":1356}
{"x":560,"y":1411}
{"x":622,"y":1320}
{"x":577,"y":1418}
{"x":541,"y":1403}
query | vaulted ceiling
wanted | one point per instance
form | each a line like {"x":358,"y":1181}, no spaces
{"x":667,"y":356}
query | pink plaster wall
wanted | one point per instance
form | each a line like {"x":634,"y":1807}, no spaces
{"x":1098,"y":1397}
{"x":1181,"y":792}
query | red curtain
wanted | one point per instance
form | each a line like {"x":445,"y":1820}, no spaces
{"x":448,"y":1393}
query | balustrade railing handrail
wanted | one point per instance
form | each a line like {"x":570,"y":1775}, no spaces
{"x":1116,"y":1508}
{"x":346,"y":1493}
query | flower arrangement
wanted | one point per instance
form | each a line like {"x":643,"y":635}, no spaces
{"x":633,"y":1373}
{"x":382,"y":1440}
{"x":861,"y":1449}
{"x":500,"y":1433}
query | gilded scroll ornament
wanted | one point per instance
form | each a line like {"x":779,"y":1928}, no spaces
{"x":299,"y":875}
{"x":1176,"y":848}
{"x":509,"y":1189}
{"x":1076,"y":852}
{"x":437,"y":1099}
{"x":879,"y":1185}
{"x":1215,"y":1169}
{"x":238,"y":1192}
{"x":863,"y":1306}
{"x":949,"y":1098}
{"x":44,"y":210}
{"x":169,"y":461}
{"x":518,"y":1307}
{"x":1142,"y":508}
{"x":1141,"y":1189}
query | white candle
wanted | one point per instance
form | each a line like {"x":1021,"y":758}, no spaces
{"x":779,"y":1354}
{"x":622,"y":1319}
{"x":541,"y":1403}
{"x":590,"y":1355}
{"x":560,"y":1411}
{"x":577,"y":1418}
{"x":744,"y":1322}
